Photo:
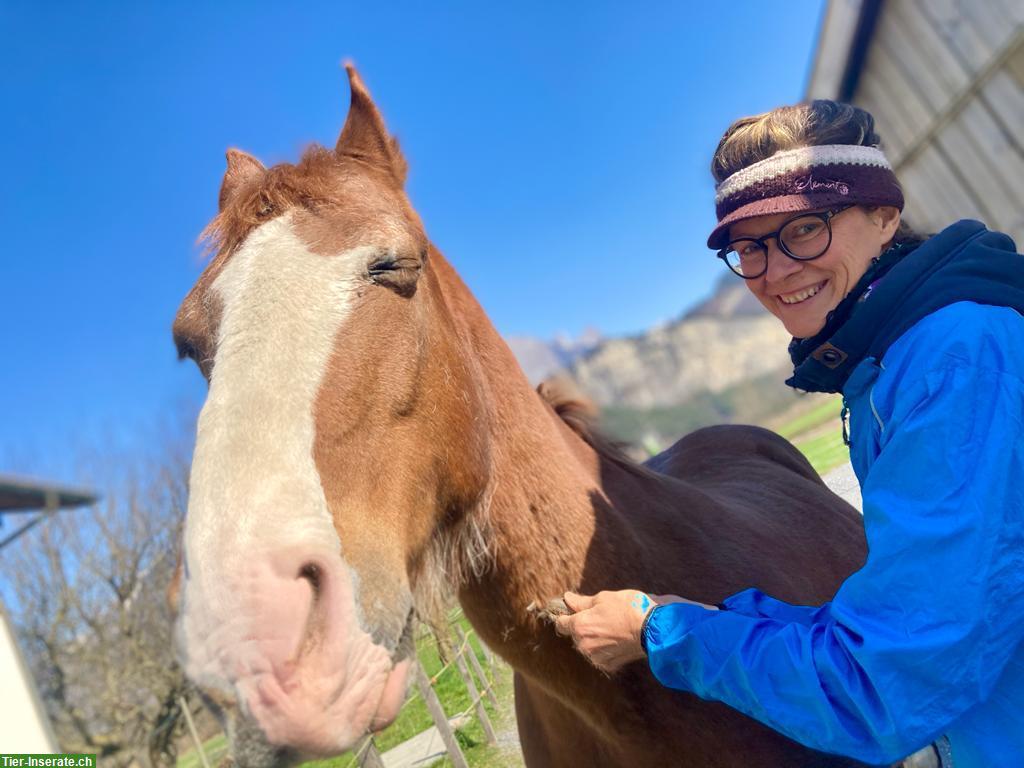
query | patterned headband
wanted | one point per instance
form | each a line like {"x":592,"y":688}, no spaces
{"x":805,"y":179}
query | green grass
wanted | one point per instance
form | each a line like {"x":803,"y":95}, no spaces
{"x":818,"y":434}
{"x":825,"y":452}
{"x":216,"y":749}
{"x":415,"y":718}
{"x":813,"y":419}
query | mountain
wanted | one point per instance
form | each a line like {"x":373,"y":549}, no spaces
{"x":540,"y":358}
{"x":724,"y":360}
{"x":724,"y":340}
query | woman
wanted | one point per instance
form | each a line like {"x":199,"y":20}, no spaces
{"x":925,"y":339}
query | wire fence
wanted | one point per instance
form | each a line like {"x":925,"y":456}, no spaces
{"x":478,"y":684}
{"x":454,"y":649}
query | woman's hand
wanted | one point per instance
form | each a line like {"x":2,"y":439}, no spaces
{"x":606,"y":627}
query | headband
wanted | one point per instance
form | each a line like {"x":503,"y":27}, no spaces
{"x":805,"y":179}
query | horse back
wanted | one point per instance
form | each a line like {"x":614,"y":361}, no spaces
{"x":788,"y":533}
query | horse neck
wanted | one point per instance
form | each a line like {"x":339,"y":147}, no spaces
{"x":551,"y":522}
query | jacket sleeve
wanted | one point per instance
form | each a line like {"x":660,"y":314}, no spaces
{"x":922,"y":632}
{"x":756,"y":604}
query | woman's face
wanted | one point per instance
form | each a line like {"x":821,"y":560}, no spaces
{"x":802,"y":293}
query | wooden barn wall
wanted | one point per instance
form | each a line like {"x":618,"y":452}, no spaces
{"x":945,"y":82}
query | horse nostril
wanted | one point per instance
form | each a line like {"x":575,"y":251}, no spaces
{"x":312,"y":573}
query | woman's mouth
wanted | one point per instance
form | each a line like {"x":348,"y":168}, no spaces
{"x":798,"y":297}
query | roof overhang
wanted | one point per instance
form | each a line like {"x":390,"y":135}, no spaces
{"x":24,"y":495}
{"x":846,"y":30}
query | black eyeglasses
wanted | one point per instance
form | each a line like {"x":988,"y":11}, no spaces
{"x":804,"y":237}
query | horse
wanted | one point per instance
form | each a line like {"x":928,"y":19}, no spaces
{"x":369,"y":444}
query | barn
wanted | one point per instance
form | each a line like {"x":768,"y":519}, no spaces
{"x":945,"y":82}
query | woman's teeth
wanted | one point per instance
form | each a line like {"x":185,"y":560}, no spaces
{"x":806,"y":293}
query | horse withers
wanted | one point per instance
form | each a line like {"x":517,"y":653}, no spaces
{"x":369,"y":444}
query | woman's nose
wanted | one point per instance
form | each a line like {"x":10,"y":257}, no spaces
{"x":780,"y":265}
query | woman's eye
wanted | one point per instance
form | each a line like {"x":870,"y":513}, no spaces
{"x":807,"y":229}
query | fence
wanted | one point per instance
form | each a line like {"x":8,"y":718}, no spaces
{"x":457,"y":657}
{"x":462,"y":659}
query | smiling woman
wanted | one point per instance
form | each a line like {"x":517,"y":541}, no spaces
{"x":922,"y":338}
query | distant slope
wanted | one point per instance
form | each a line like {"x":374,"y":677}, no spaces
{"x":724,"y":340}
{"x":723,"y":361}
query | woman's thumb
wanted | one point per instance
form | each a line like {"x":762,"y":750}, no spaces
{"x":578,"y":603}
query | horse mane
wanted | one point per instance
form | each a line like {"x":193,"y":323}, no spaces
{"x":582,"y":416}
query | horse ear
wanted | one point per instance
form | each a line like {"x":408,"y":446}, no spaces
{"x":365,"y":136}
{"x":241,"y":168}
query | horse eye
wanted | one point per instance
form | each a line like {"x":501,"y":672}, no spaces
{"x":187,"y":352}
{"x":382,"y":266}
{"x":266,"y":208}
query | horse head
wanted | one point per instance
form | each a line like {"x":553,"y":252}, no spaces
{"x":344,"y":429}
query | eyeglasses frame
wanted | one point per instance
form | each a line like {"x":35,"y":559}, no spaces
{"x":825,"y":216}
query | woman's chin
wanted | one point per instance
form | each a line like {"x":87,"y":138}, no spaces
{"x":803,"y":330}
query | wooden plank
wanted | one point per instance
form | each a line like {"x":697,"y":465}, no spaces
{"x":1013,"y":10}
{"x":922,"y":202}
{"x":920,"y":33}
{"x":477,"y":669}
{"x":1005,"y":98}
{"x":193,"y":733}
{"x":1015,"y":65}
{"x":957,"y":203}
{"x":440,"y":719}
{"x":905,"y":98}
{"x":891,"y":35}
{"x":960,"y":35}
{"x":989,"y":21}
{"x":474,"y":694}
{"x":973,"y":170}
{"x":1004,"y":163}
{"x":369,"y":756}
{"x":893,"y":133}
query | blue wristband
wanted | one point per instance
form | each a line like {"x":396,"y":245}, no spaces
{"x":643,"y":628}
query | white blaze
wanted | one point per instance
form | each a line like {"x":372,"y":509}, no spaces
{"x":254,"y":484}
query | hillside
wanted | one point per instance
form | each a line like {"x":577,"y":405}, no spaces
{"x":723,"y":361}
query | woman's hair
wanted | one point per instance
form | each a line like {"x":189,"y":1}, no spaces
{"x":752,"y":139}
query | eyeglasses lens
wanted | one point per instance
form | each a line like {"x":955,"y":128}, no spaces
{"x":803,"y":238}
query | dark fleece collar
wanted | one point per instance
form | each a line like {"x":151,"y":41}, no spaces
{"x":964,"y":262}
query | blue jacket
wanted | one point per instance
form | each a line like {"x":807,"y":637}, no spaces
{"x":928,"y":637}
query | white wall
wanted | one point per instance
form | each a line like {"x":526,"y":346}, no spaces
{"x":24,"y":727}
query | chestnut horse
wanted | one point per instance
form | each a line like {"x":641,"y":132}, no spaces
{"x":369,"y":442}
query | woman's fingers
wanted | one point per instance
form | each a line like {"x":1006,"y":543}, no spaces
{"x":579,"y":603}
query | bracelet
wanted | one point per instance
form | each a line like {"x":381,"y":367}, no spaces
{"x":643,"y":628}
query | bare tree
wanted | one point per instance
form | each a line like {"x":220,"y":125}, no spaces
{"x":87,"y":596}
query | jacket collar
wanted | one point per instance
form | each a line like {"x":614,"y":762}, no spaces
{"x":964,"y":262}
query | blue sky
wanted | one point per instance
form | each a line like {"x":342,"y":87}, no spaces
{"x":558,"y":157}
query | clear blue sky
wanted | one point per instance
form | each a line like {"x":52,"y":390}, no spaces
{"x":558,"y":156}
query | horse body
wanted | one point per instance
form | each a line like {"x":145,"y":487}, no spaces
{"x":411,"y":455}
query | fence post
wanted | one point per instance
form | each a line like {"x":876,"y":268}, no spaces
{"x":475,"y":662}
{"x":488,"y":653}
{"x":192,"y":731}
{"x":478,"y":702}
{"x":440,"y":719}
{"x":369,"y":756}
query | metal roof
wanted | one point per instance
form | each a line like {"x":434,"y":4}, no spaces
{"x":24,"y":495}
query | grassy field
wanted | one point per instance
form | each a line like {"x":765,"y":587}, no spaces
{"x":818,"y":416}
{"x":414,"y":717}
{"x":811,"y":423}
{"x":818,"y":434}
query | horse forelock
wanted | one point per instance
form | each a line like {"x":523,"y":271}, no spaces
{"x":319,"y":179}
